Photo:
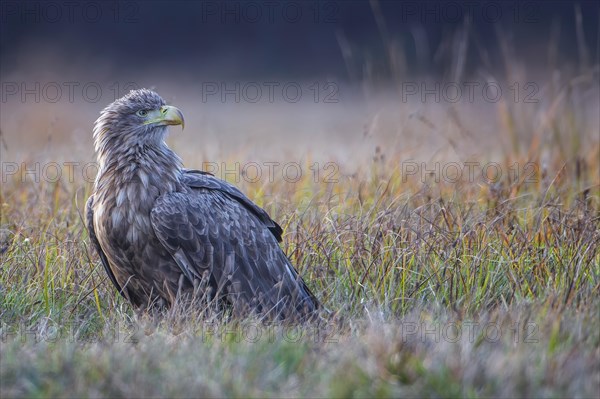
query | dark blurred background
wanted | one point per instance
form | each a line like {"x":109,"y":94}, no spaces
{"x":57,"y":55}
{"x":293,"y":39}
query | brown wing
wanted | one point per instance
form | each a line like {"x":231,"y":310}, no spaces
{"x":206,"y":230}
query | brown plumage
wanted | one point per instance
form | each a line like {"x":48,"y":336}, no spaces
{"x":161,"y":230}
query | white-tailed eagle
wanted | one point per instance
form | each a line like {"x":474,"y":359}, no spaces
{"x":161,"y":230}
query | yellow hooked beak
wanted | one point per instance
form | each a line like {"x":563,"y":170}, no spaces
{"x":166,"y":115}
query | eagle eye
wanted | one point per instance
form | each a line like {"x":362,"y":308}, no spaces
{"x":142,"y":113}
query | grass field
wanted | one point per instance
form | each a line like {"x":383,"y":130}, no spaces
{"x":438,"y":286}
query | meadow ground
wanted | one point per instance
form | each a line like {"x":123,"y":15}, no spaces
{"x":439,"y":284}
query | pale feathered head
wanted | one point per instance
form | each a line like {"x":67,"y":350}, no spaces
{"x":138,"y":119}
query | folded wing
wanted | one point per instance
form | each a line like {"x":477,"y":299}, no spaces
{"x":215,"y":233}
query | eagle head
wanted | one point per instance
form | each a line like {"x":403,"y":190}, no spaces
{"x":139,"y":118}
